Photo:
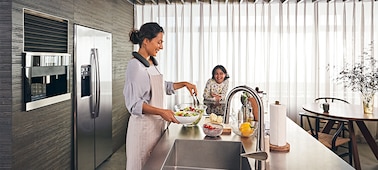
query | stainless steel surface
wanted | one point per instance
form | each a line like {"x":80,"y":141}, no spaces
{"x":180,"y":132}
{"x":258,"y":155}
{"x":196,"y":102}
{"x":93,"y":97}
{"x":305,"y":151}
{"x":260,"y":140}
{"x":45,"y":79}
{"x":46,"y":59}
{"x":190,"y":154}
{"x":47,"y":101}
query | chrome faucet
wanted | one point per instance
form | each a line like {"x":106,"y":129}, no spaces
{"x":260,"y":148}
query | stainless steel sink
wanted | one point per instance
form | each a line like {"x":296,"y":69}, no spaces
{"x":206,"y":154}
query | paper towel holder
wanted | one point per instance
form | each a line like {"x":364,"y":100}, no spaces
{"x":284,"y":148}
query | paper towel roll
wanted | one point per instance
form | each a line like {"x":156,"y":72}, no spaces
{"x":277,"y":124}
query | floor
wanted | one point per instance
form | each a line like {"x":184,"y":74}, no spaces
{"x":367,"y":158}
{"x":118,"y":160}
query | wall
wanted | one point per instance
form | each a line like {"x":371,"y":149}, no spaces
{"x":5,"y":84}
{"x":42,"y":138}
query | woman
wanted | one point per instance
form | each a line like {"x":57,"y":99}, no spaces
{"x":144,"y":95}
{"x":217,"y":87}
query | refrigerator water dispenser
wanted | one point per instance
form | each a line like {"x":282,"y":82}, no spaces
{"x":85,"y":80}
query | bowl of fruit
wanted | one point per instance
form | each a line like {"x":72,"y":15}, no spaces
{"x":191,"y":108}
{"x":212,"y":129}
{"x":245,"y":129}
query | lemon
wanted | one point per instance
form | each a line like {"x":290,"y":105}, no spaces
{"x":246,"y":129}
{"x":247,"y":132}
{"x":245,"y":125}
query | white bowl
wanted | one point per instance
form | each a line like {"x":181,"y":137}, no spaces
{"x":200,"y":109}
{"x":186,"y":117}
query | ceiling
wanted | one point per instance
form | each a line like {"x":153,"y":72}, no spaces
{"x":160,"y":2}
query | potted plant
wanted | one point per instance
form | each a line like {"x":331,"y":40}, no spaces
{"x":362,"y":77}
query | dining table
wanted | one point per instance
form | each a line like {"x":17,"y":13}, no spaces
{"x":351,"y":113}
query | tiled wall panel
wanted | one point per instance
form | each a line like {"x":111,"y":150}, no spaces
{"x":5,"y":85}
{"x":42,"y":138}
{"x":122,"y":49}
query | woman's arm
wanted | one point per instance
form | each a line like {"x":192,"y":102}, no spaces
{"x":166,"y":114}
{"x":136,"y":88}
{"x":191,"y":87}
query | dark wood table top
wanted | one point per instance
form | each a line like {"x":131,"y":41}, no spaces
{"x":342,"y":111}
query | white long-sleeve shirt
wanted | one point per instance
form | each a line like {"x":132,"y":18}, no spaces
{"x":213,"y":87}
{"x":137,"y":88}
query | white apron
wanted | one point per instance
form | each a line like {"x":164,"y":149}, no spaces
{"x":144,"y":131}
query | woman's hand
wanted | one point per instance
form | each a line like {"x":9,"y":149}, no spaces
{"x":191,"y":87}
{"x":168,"y":115}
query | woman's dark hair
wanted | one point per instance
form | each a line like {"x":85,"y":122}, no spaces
{"x":148,"y":30}
{"x":223,"y":70}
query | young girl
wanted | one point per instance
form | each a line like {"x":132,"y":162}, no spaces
{"x":217,"y":86}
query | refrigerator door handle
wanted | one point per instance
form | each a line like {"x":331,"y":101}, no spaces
{"x":95,"y":102}
{"x":98,"y":84}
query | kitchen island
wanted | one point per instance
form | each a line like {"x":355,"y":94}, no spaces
{"x":305,"y":151}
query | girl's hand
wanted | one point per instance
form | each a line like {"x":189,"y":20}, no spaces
{"x":215,"y":95}
{"x":217,"y":98}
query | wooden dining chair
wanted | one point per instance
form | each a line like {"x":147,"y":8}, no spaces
{"x":329,"y":131}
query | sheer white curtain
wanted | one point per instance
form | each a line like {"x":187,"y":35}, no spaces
{"x":283,"y":48}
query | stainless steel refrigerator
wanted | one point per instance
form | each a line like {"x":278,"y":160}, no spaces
{"x":92,"y":97}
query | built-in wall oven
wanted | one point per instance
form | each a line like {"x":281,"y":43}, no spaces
{"x":45,"y":79}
